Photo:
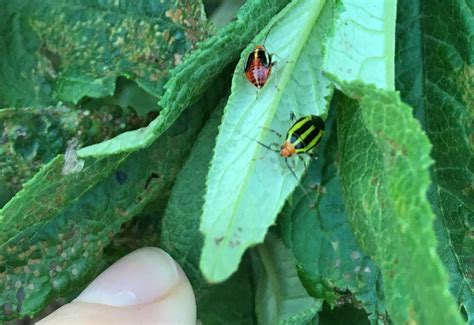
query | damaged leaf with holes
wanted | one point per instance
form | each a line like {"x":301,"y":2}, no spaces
{"x":69,"y":217}
{"x":51,"y":51}
{"x":32,"y":137}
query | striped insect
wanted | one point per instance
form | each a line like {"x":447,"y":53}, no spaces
{"x":303,"y":136}
{"x":259,"y":66}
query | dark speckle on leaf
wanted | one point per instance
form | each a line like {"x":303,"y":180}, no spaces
{"x":7,"y":309}
{"x":20,"y":132}
{"x":235,"y":243}
{"x":20,"y":295}
{"x":121,"y":177}
{"x":374,"y":180}
{"x":150,"y":178}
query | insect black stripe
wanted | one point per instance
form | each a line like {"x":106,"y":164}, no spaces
{"x":303,"y":128}
{"x":311,"y":136}
{"x":318,"y":122}
{"x":262,"y":56}
{"x":249,"y":62}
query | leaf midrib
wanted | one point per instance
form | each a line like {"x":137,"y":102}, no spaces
{"x":289,"y":68}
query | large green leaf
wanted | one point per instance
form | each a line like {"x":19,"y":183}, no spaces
{"x":280,"y":297}
{"x":247,"y":184}
{"x":180,"y":234}
{"x":65,"y":50}
{"x":230,"y":302}
{"x":330,"y":261}
{"x":32,"y":137}
{"x":53,"y":232}
{"x":438,"y":82}
{"x":384,"y":163}
{"x":149,"y":229}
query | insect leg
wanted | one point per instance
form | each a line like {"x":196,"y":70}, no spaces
{"x":278,"y":134}
{"x":292,"y":117}
{"x":312,"y":155}
{"x":302,"y":159}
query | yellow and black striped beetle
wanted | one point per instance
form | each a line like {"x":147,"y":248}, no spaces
{"x":305,"y":134}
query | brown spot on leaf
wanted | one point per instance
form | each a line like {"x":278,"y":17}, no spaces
{"x":52,"y":56}
{"x":175,"y":16}
{"x":365,"y":204}
{"x":374,"y":180}
{"x":218,"y":240}
{"x":177,"y":58}
{"x":412,"y":314}
{"x":121,"y":212}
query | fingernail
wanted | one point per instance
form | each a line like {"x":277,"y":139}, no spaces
{"x":140,"y":277}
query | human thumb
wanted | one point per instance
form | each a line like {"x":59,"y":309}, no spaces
{"x":146,"y":286}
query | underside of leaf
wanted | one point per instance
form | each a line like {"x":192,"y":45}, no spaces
{"x":236,"y":215}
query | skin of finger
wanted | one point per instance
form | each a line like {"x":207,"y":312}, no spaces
{"x":174,"y":305}
{"x":176,"y":308}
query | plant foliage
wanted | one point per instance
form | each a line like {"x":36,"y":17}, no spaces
{"x":377,"y":228}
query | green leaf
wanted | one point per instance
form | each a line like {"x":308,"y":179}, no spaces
{"x":67,"y":50}
{"x":280,"y":297}
{"x":363,"y":46}
{"x":329,"y":259}
{"x":247,"y":184}
{"x":53,"y":232}
{"x":146,"y":229}
{"x":180,"y":235}
{"x":230,"y":302}
{"x":31,"y":138}
{"x":438,"y":83}
{"x":384,"y":159}
{"x":189,"y":80}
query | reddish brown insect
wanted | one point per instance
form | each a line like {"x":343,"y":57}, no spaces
{"x":259,"y":66}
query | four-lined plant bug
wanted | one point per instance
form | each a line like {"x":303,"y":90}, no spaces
{"x":304,"y":135}
{"x":259,"y":64}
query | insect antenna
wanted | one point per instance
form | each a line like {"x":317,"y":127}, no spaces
{"x":266,"y":146}
{"x":266,"y":35}
{"x":306,"y":193}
